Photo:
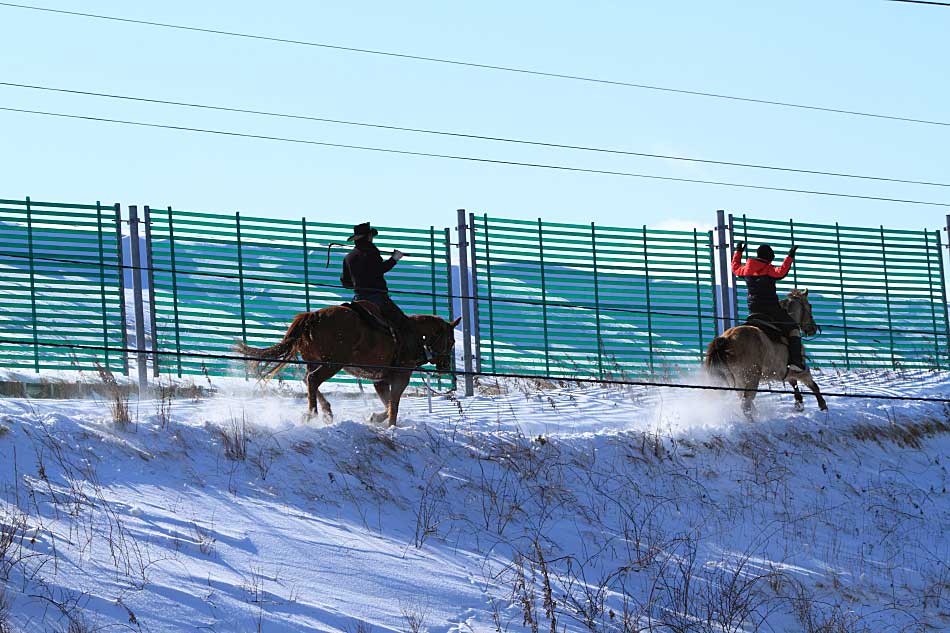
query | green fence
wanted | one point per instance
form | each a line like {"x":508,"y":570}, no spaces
{"x":61,"y":284}
{"x":570,"y":300}
{"x":589,"y":300}
{"x":218,"y":278}
{"x":877,"y":293}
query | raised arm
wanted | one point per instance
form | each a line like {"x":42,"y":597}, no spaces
{"x":737,"y":268}
{"x":780,"y":272}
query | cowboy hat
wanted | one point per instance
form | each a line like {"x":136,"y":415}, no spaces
{"x":362,"y":230}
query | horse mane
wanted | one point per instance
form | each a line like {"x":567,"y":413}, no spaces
{"x":428,"y":320}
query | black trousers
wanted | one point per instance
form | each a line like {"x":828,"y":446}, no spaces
{"x":391,"y":312}
{"x":407,"y":335}
{"x":776,"y":315}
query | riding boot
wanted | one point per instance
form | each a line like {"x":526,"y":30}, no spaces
{"x":796,"y":355}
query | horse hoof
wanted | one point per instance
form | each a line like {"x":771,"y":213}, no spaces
{"x":799,"y":406}
{"x":377,"y":418}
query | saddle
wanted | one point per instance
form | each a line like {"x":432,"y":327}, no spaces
{"x":371,"y":315}
{"x":775,"y":333}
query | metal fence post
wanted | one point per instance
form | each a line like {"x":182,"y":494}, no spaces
{"x":433,"y":292}
{"x":102,"y":286}
{"x":306,"y":262}
{"x":29,"y":242}
{"x":136,"y":261}
{"x":699,"y":294}
{"x":466,"y":304}
{"x":716,"y":317}
{"x":600,"y":334}
{"x":450,"y":291}
{"x":646,"y":274}
{"x":734,"y":312}
{"x":171,"y":247}
{"x":943,"y":286}
{"x":844,"y":304}
{"x":930,"y":284}
{"x":887,"y":299}
{"x":476,"y":317}
{"x":150,"y":271}
{"x":724,"y":312}
{"x":544,"y":300}
{"x":121,"y":273}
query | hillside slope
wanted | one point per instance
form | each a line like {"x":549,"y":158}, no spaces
{"x":603,"y":509}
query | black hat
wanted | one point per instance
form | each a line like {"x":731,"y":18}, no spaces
{"x":362,"y":230}
{"x":765,"y":252}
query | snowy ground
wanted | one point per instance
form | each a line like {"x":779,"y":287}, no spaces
{"x":603,"y":509}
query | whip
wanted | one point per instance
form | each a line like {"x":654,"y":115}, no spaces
{"x":331,"y":245}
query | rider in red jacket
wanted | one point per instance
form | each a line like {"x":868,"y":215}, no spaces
{"x":760,"y":277}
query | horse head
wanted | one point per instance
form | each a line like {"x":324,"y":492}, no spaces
{"x":799,"y":308}
{"x":438,"y":340}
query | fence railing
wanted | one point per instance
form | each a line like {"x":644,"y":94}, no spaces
{"x":61,"y":281}
{"x":540,"y":298}
{"x":590,"y":300}
{"x":217,"y":279}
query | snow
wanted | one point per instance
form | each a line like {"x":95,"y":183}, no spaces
{"x":624,"y":493}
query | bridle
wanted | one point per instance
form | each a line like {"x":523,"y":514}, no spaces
{"x":806,"y":315}
{"x":430,"y":348}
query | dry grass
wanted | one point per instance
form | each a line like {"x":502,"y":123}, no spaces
{"x":6,"y":609}
{"x":235,"y":439}
{"x":904,"y":433}
{"x":118,"y":398}
{"x":415,"y":614}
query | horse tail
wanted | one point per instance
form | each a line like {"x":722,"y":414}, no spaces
{"x":267,"y":361}
{"x":717,"y":358}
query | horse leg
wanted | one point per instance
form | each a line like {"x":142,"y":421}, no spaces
{"x":316,"y":377}
{"x":383,"y":391}
{"x":811,"y":384}
{"x":397,"y":385}
{"x":750,"y":387}
{"x":311,"y":391}
{"x":799,"y":400}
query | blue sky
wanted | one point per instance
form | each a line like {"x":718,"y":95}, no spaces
{"x":863,"y":55}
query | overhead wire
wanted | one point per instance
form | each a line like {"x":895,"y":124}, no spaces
{"x":471,"y":159}
{"x":478,"y":65}
{"x":937,"y":4}
{"x":465,"y":135}
{"x":463,"y":373}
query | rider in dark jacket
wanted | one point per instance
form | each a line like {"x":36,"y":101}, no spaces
{"x":760,"y":277}
{"x":364,"y":272}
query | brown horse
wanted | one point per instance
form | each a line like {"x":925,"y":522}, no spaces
{"x":337,"y":338}
{"x":744,"y":355}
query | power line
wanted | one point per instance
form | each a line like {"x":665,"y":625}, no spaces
{"x":455,"y":372}
{"x":500,"y":139}
{"x":606,"y":307}
{"x":938,"y":4}
{"x":457,"y":62}
{"x":474,"y":159}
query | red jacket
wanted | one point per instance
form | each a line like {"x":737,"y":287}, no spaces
{"x":760,"y":277}
{"x":756,"y":267}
